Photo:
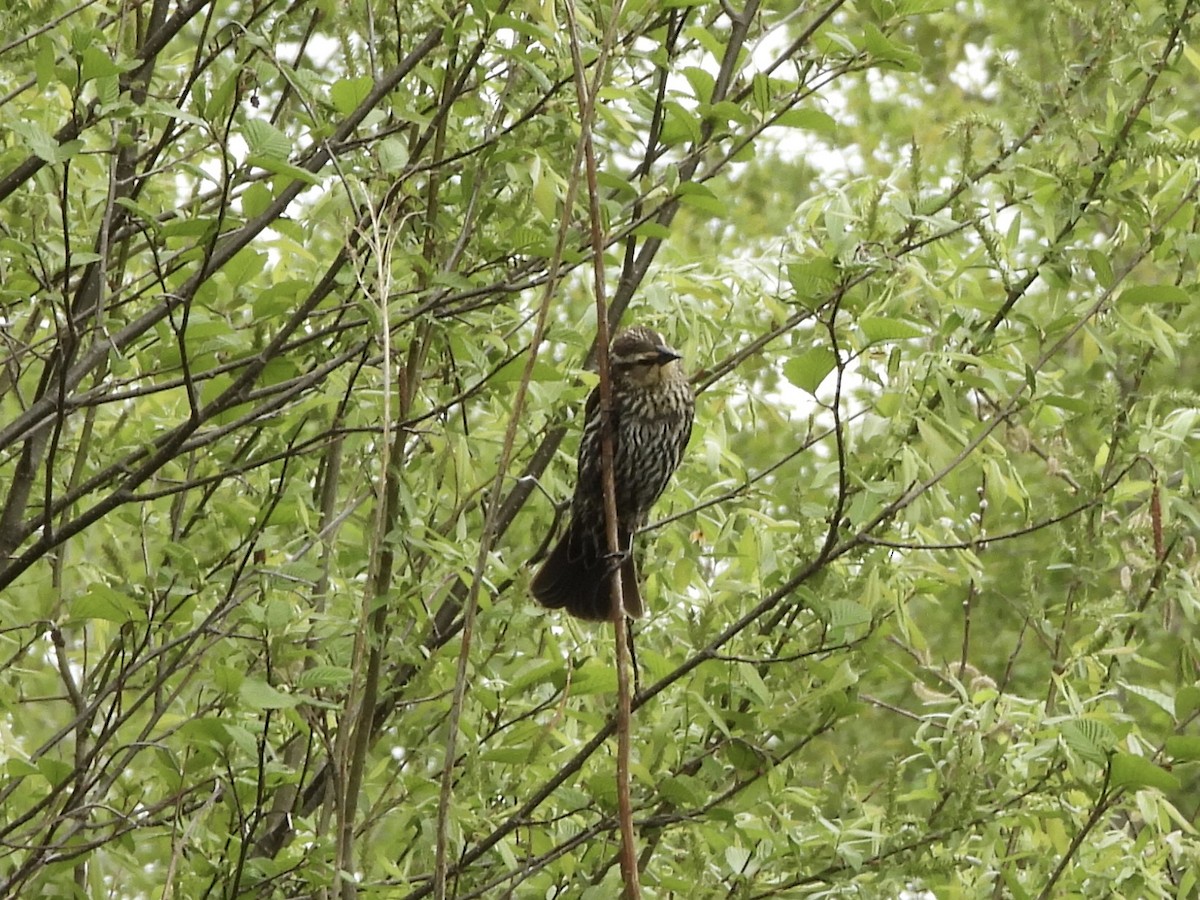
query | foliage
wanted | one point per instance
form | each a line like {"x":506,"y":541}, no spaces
{"x":271,"y":423}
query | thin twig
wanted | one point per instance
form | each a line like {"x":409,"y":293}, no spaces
{"x":587,"y":104}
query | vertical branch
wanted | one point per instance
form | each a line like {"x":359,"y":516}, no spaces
{"x":354,"y":736}
{"x":491,"y":529}
{"x":587,"y":101}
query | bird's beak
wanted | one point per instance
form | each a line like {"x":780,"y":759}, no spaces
{"x":666,"y":354}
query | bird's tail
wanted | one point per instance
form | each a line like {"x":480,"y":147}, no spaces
{"x":576,"y":575}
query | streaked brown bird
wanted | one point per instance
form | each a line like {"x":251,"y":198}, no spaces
{"x":651,"y":423}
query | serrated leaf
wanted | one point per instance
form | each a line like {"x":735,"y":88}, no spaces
{"x":323,"y":677}
{"x":1137,"y":772}
{"x":1089,"y":739}
{"x":807,"y":370}
{"x":265,"y":140}
{"x":877,"y":329}
{"x":846,"y":613}
{"x":37,"y":139}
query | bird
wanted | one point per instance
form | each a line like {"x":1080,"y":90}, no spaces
{"x":652,"y":412}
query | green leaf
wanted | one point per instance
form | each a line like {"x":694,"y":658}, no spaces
{"x":1163,"y":701}
{"x":653,"y":230}
{"x":19,"y":768}
{"x":707,"y":38}
{"x":1089,"y":739}
{"x":877,"y":329}
{"x":761,"y":91}
{"x":807,"y":370}
{"x":207,"y":730}
{"x":245,"y":265}
{"x":55,"y":771}
{"x":37,"y":139}
{"x":513,"y":756}
{"x":96,"y":63}
{"x":1187,"y":701}
{"x":812,"y":280}
{"x":1137,"y":772}
{"x":920,"y":7}
{"x":280,"y":167}
{"x":679,"y":125}
{"x":1071,"y":404}
{"x":680,"y":791}
{"x":885,"y":50}
{"x":324,"y":676}
{"x":847,"y":613}
{"x":265,"y":140}
{"x":1145,"y":294}
{"x":44,"y":63}
{"x":513,"y":370}
{"x":1184,"y":746}
{"x":611,"y":181}
{"x":737,"y":858}
{"x":540,"y":671}
{"x":808,"y":119}
{"x":255,"y":200}
{"x":102,"y":602}
{"x":347,"y":94}
{"x":593,"y":677}
{"x":1101,"y":268}
{"x":260,"y":695}
{"x":393,"y":155}
{"x":702,"y":82}
{"x":696,"y":195}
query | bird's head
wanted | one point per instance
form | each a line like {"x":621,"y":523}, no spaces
{"x":640,"y":356}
